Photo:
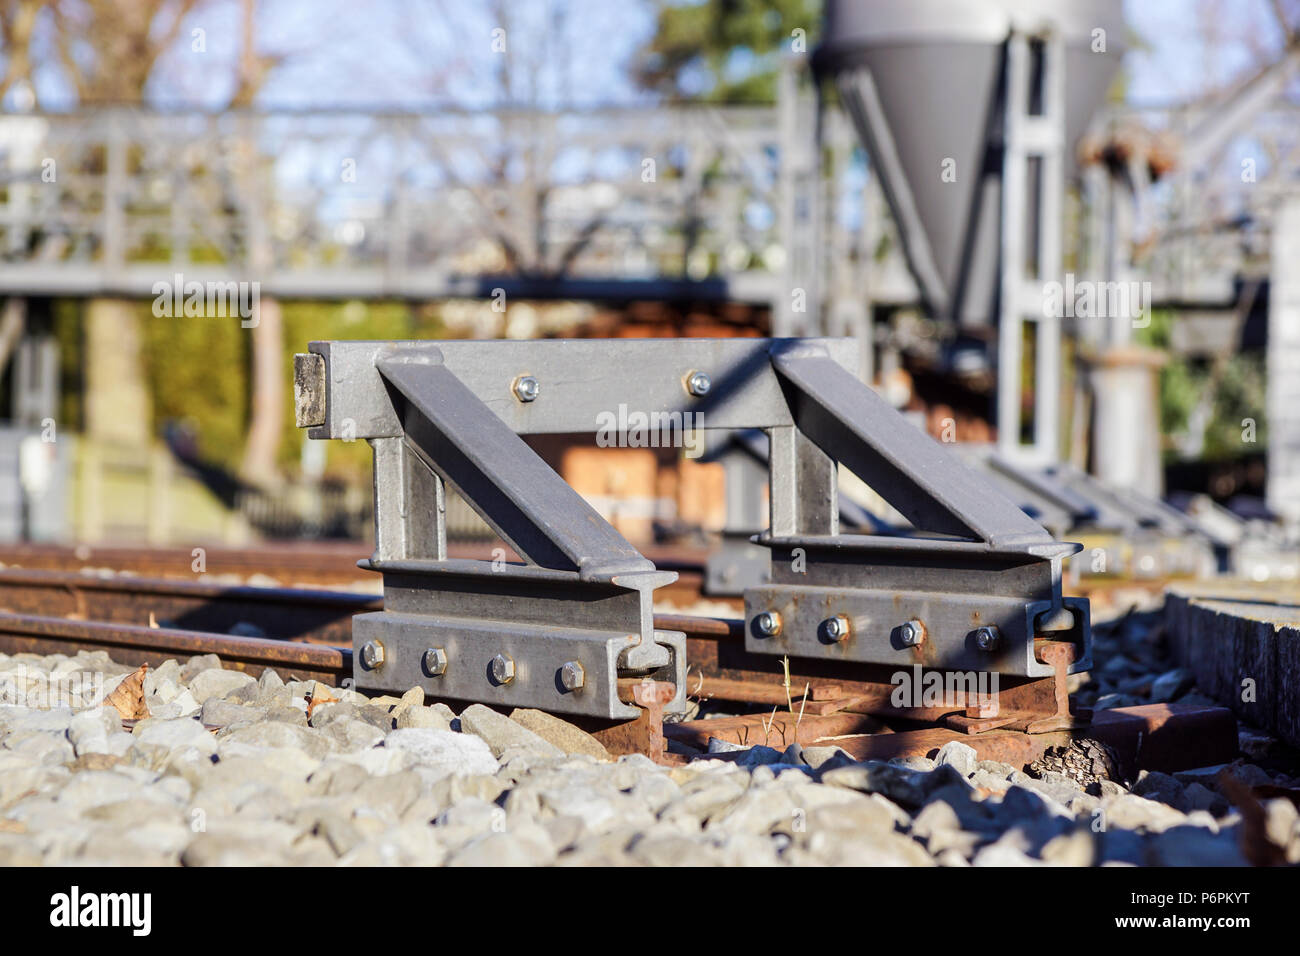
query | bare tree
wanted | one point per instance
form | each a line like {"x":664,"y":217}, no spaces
{"x":108,"y":49}
{"x":109,"y":52}
{"x":18,"y":20}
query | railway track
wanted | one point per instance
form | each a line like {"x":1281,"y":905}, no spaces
{"x":323,"y":564}
{"x":306,"y":633}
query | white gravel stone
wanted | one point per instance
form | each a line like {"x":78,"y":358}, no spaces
{"x":216,"y":682}
{"x":958,"y":755}
{"x":88,"y":731}
{"x":503,"y":735}
{"x":178,"y":732}
{"x":443,"y":750}
{"x":422,"y":717}
{"x":276,"y":734}
{"x":267,"y":789}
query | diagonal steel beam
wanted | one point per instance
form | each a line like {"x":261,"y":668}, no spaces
{"x":930,"y":487}
{"x":505,"y":481}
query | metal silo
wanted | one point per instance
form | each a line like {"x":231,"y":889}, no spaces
{"x":971,"y":110}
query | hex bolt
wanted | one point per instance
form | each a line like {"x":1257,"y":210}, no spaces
{"x":768,"y":623}
{"x":572,"y":675}
{"x":698,"y":383}
{"x":837,"y":627}
{"x":503,"y":669}
{"x":912,"y":633}
{"x":526,"y":388}
{"x":987,"y":638}
{"x":372,"y":655}
{"x":435,"y":661}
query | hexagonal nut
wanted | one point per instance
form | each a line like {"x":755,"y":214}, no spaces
{"x":572,"y":675}
{"x":987,"y":638}
{"x":372,"y":655}
{"x":503,"y":669}
{"x":435,"y":661}
{"x":698,"y":383}
{"x":838,"y":627}
{"x":768,"y":623}
{"x":912,"y":633}
{"x":526,"y":388}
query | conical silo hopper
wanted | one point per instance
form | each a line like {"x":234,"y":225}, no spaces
{"x":925,"y":81}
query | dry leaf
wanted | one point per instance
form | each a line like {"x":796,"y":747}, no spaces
{"x":318,"y":699}
{"x":128,"y":697}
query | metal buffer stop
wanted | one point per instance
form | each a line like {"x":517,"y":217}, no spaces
{"x":974,"y":589}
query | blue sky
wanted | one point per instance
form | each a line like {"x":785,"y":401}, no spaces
{"x":1179,"y":64}
{"x":401,"y":52}
{"x":409,"y":53}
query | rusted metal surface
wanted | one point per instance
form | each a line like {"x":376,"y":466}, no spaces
{"x":1035,"y":707}
{"x":205,"y":605}
{"x":291,"y":613}
{"x":764,"y":692}
{"x":318,"y":562}
{"x":644,"y":734}
{"x":1006,"y":746}
{"x":325,"y":563}
{"x":777,"y":730}
{"x":1166,"y":737}
{"x":133,"y":644}
{"x":719,"y":668}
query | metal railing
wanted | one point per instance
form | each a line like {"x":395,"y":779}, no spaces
{"x":671,"y":202}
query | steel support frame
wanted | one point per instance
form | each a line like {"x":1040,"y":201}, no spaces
{"x":1030,"y":219}
{"x":440,"y":412}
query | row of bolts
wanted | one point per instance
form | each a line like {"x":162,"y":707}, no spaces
{"x":838,"y":628}
{"x":573,"y":676}
{"x":527,"y":387}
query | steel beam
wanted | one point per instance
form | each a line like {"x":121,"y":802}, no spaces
{"x":929,"y":487}
{"x":531,"y":507}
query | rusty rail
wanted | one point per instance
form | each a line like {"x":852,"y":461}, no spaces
{"x":307,"y":634}
{"x":135,"y":644}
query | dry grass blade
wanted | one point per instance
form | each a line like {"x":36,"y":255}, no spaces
{"x":785,"y":666}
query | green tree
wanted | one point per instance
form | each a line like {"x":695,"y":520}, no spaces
{"x":723,"y":51}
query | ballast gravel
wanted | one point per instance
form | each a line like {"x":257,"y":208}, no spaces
{"x":232,"y":770}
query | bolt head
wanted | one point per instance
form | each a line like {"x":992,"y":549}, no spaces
{"x":527,"y":388}
{"x":768,"y":623}
{"x":987,"y":638}
{"x":372,"y":655}
{"x":503,"y":669}
{"x":912,"y":633}
{"x":698,"y":383}
{"x":838,"y":627}
{"x":572,"y":675}
{"x":435,"y":661}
